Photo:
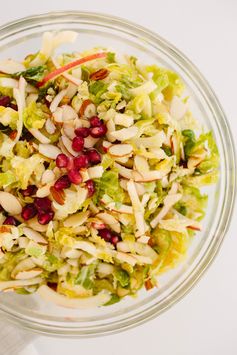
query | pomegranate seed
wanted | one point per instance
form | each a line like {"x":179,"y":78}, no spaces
{"x":31,"y":190}
{"x":43,"y":204}
{"x":28,"y":211}
{"x":98,"y":226}
{"x":82,"y":132}
{"x":11,"y":221}
{"x":90,"y":185}
{"x":81,"y":161}
{"x":97,"y":132}
{"x":75,"y":176}
{"x":62,"y":183}
{"x":14,"y":107}
{"x":78,"y":144}
{"x":115,"y":239}
{"x":62,"y":161}
{"x":70,"y":165}
{"x":93,"y":156}
{"x":45,"y":217}
{"x":5,"y":101}
{"x":105,"y":234}
{"x":95,"y":121}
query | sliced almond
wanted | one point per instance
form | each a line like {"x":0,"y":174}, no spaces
{"x":122,"y":119}
{"x":120,"y":150}
{"x":106,"y":145}
{"x":10,"y":203}
{"x":76,"y":220}
{"x":89,"y":142}
{"x":69,"y":129}
{"x":125,"y":133}
{"x":49,"y":150}
{"x":49,"y":126}
{"x":68,"y":145}
{"x":10,"y":66}
{"x":110,"y":220}
{"x":39,"y":136}
{"x":147,"y":176}
{"x":87,"y":109}
{"x":47,"y":176}
{"x":35,"y":225}
{"x":29,"y":274}
{"x":141,"y":164}
{"x":68,"y":113}
{"x":110,"y":128}
{"x":58,"y":115}
{"x":58,"y":195}
{"x":124,"y":172}
{"x":56,"y":101}
{"x":63,"y":148}
{"x":33,"y":235}
{"x":95,"y":172}
{"x":43,"y":191}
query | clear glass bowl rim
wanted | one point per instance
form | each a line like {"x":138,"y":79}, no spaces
{"x":227,"y":140}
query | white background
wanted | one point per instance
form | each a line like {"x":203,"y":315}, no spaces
{"x":205,"y":321}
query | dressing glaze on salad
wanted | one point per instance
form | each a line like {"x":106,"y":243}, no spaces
{"x":101,"y":165}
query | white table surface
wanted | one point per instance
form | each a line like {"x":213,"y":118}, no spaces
{"x":205,"y":321}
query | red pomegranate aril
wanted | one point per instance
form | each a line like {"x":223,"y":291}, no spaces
{"x":97,"y":132}
{"x":11,"y":221}
{"x":62,"y":161}
{"x":62,"y":183}
{"x":105,"y":234}
{"x":115,"y":239}
{"x":29,"y":211}
{"x":95,"y":121}
{"x":43,"y":204}
{"x":45,"y":217}
{"x":82,"y":132}
{"x":81,"y":161}
{"x":75,"y":176}
{"x":70,"y":165}
{"x":90,"y":185}
{"x":78,"y":144}
{"x":5,"y":101}
{"x":29,"y":191}
{"x":93,"y":156}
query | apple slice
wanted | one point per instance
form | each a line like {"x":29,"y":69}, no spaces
{"x":70,"y":66}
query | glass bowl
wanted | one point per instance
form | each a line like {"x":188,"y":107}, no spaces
{"x":22,"y":37}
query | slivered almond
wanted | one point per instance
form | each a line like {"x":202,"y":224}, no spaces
{"x":49,"y":150}
{"x":58,"y":195}
{"x":120,"y":150}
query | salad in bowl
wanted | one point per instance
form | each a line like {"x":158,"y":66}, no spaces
{"x":101,"y":169}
